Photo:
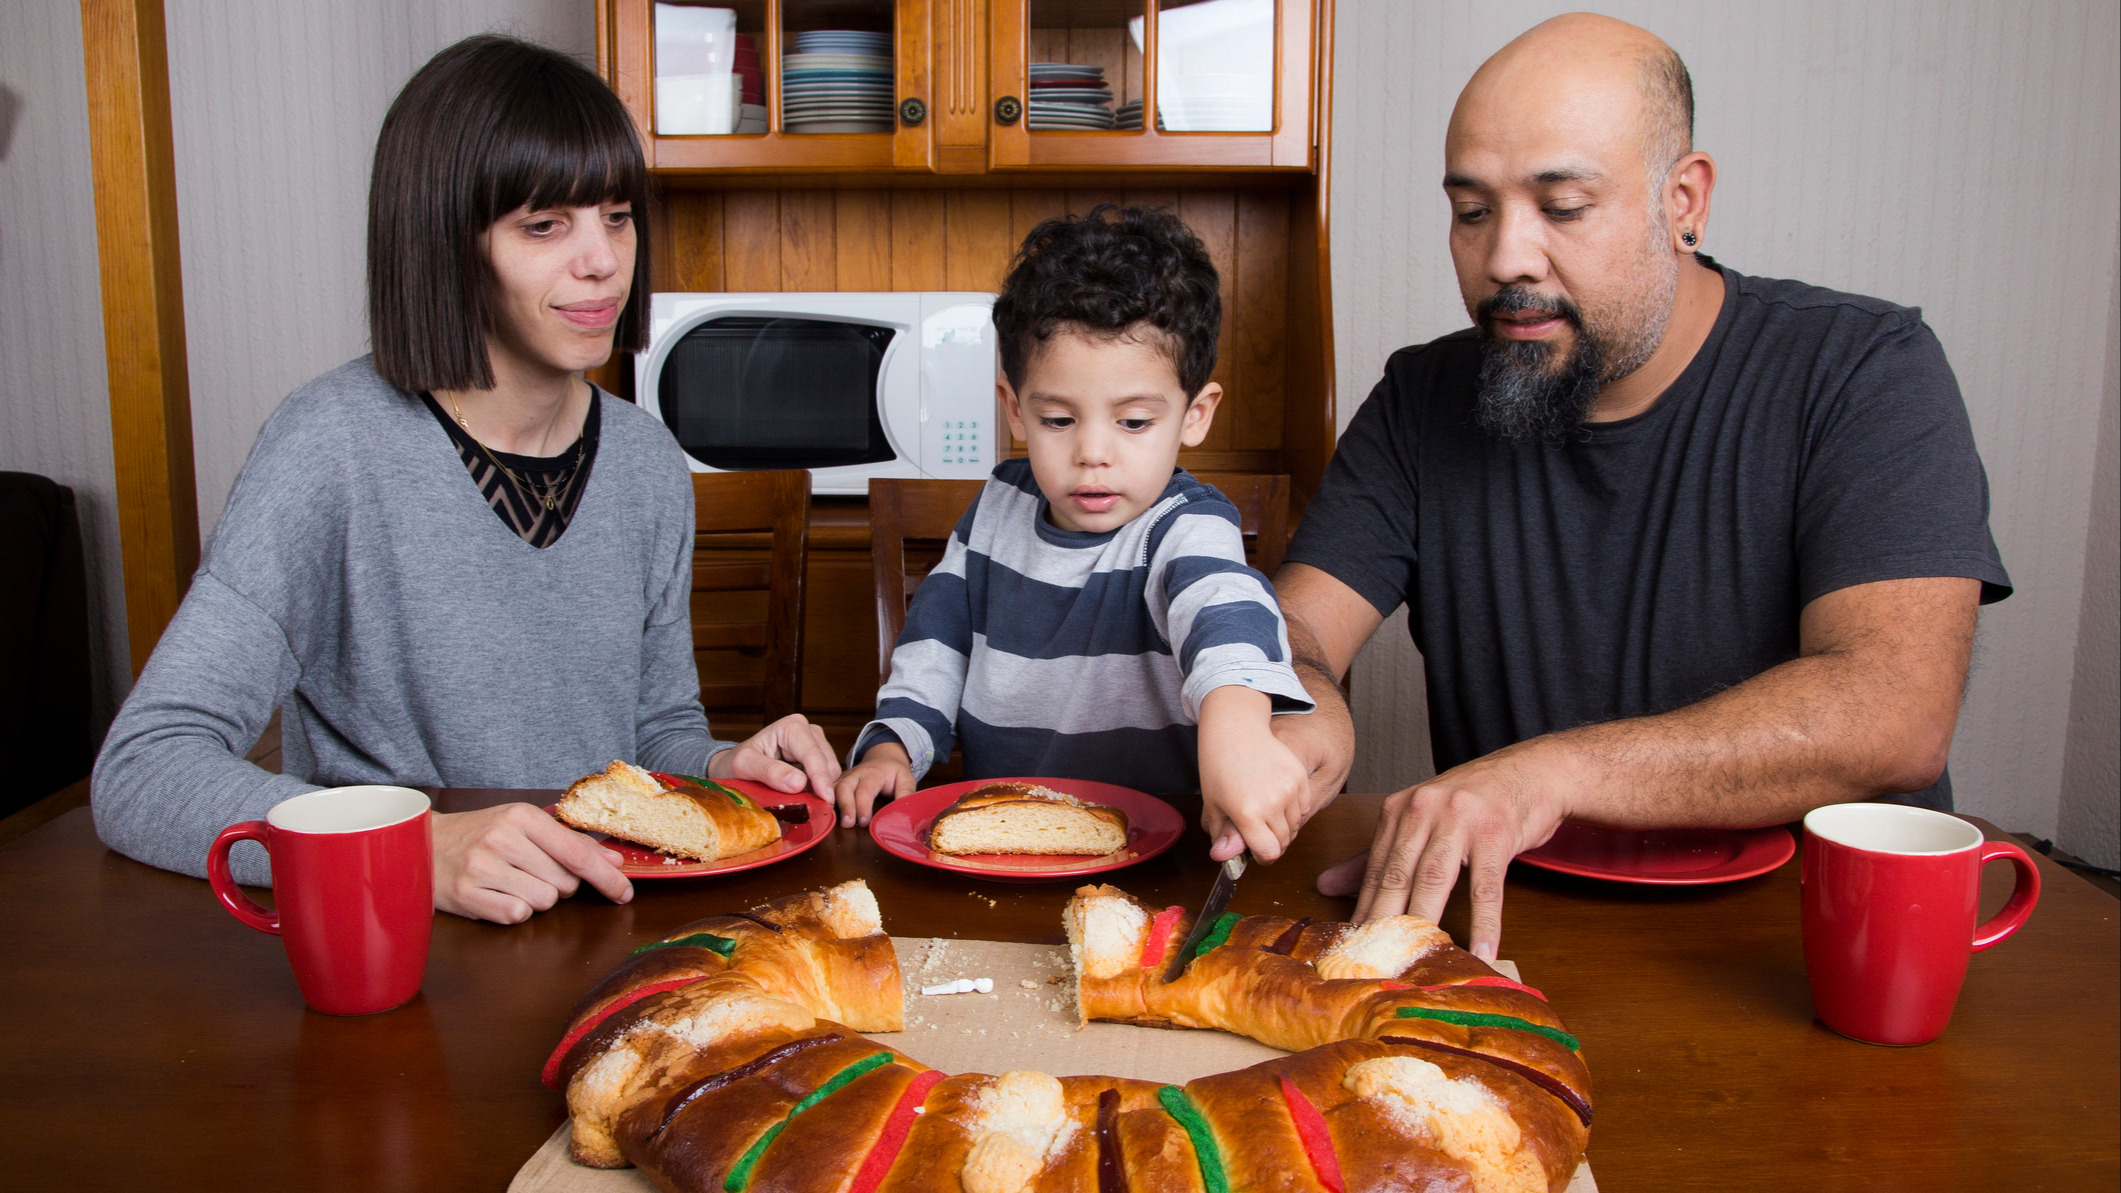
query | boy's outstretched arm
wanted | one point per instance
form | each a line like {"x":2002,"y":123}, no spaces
{"x":1253,"y":788}
{"x":884,"y":772}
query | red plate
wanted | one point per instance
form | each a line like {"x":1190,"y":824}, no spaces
{"x":1665,"y":857}
{"x":1153,"y":826}
{"x":796,"y":836}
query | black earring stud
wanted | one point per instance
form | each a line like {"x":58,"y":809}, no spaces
{"x":1690,"y":239}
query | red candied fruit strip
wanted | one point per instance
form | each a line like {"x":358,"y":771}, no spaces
{"x":1159,"y":941}
{"x":1503,"y":982}
{"x":897,"y":1126}
{"x":1311,"y":1131}
{"x":551,"y":1073}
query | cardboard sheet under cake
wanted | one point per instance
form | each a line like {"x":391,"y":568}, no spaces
{"x":1028,"y":1022}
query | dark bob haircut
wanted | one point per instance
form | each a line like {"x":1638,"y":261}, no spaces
{"x":1103,"y":274}
{"x":489,"y":125}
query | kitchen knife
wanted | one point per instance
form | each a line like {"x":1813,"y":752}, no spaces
{"x":1212,"y":910}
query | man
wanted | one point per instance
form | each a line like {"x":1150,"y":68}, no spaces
{"x":1680,"y":547}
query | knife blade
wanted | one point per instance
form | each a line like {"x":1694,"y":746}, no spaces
{"x":1218,"y":899}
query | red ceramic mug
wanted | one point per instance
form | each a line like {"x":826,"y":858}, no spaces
{"x":353,"y":877}
{"x":1890,"y":896}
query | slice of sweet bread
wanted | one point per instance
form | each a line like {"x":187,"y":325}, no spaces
{"x":1026,"y":818}
{"x":704,"y":824}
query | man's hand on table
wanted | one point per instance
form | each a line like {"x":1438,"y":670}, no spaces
{"x":1478,"y":816}
{"x":510,"y":862}
{"x":766,"y":757}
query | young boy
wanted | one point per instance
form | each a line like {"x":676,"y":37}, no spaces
{"x":1093,"y":617}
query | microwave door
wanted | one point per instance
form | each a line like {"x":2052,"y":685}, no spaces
{"x":745,"y":392}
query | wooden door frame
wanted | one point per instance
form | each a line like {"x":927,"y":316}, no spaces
{"x":126,"y":54}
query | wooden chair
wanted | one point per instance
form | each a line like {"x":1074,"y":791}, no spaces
{"x":902,"y":511}
{"x":750,"y":552}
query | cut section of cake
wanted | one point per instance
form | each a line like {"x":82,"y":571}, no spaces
{"x":1026,"y":818}
{"x":705,"y":823}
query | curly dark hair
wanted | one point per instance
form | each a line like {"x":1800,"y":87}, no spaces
{"x":1105,"y":273}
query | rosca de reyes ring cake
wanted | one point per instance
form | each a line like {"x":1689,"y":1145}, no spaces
{"x":725,"y":1057}
{"x":1026,"y":818}
{"x":693,"y":818}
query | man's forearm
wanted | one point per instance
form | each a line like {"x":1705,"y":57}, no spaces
{"x":1869,"y":717}
{"x":1323,"y":739}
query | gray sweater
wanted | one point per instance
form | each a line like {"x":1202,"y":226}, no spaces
{"x":361,"y":584}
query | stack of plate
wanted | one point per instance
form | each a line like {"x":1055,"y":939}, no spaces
{"x":1067,"y":96}
{"x":837,"y":81}
{"x":1129,"y":116}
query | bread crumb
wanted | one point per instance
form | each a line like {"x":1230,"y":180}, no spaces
{"x":1027,"y":983}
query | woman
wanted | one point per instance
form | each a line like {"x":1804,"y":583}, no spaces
{"x":454,"y":562}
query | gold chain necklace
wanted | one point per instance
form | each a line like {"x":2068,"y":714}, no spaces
{"x":546,"y":495}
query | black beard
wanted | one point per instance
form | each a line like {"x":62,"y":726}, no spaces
{"x":1524,"y":397}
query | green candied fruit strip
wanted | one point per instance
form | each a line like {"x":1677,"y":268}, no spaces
{"x":1484,"y":1019}
{"x":706,"y":784}
{"x":1217,"y":935}
{"x":740,"y":1176}
{"x":1205,"y":1153}
{"x":705,"y":940}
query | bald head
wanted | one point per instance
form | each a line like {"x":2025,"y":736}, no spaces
{"x":1583,"y":60}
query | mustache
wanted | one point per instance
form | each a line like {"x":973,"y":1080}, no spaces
{"x":1517,"y":300}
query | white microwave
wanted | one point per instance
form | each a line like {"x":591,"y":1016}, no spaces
{"x":850,"y":386}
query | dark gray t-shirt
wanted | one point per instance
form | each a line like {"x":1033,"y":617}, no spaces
{"x":1816,"y":441}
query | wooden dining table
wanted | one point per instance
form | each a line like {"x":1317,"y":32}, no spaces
{"x":154,"y":1043}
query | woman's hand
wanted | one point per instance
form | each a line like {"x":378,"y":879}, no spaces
{"x":509,"y":862}
{"x":885,"y":772}
{"x":766,"y":756}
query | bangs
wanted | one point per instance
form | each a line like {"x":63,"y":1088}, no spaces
{"x":558,"y":140}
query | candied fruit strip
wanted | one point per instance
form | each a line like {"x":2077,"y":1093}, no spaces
{"x":704,"y":940}
{"x":1484,"y":1019}
{"x":1311,"y":1130}
{"x":1159,"y":940}
{"x":750,"y":1068}
{"x":740,"y":1176}
{"x":550,"y":1075}
{"x":1568,"y":1097}
{"x":897,"y":1126}
{"x":1205,"y":1152}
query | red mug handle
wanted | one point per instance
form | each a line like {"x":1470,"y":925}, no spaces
{"x":2023,"y":896}
{"x":241,"y":905}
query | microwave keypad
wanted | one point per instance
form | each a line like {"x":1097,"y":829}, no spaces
{"x":962,"y":441}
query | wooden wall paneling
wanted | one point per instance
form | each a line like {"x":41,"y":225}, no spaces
{"x":862,"y":224}
{"x":1081,"y":200}
{"x":1260,"y":320}
{"x":1166,"y":197}
{"x":751,"y":240}
{"x":1212,"y":214}
{"x":127,"y":66}
{"x":694,"y":237}
{"x":1308,"y":427}
{"x":808,"y":241}
{"x":1030,"y":207}
{"x":917,"y":240}
{"x":976,"y":242}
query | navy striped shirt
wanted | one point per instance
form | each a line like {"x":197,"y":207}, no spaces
{"x":1050,"y":652}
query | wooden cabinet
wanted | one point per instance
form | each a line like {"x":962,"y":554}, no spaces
{"x":939,"y":198}
{"x":963,"y":101}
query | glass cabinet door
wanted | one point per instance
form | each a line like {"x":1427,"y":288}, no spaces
{"x":1228,"y":83}
{"x":772,"y":84}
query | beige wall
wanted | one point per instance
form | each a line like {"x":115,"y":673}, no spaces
{"x":1963,"y":157}
{"x":54,"y":404}
{"x":2090,"y":823}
